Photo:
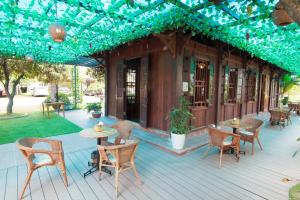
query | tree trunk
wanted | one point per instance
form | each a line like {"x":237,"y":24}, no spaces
{"x":56,"y":92}
{"x":10,"y":105}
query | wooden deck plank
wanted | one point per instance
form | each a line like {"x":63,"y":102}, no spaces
{"x":107,"y":185}
{"x":60,"y":189}
{"x":72,"y":189}
{"x":22,"y":173}
{"x":195,"y":175}
{"x":123,"y":189}
{"x":83,"y":186}
{"x":11,"y":183}
{"x":3,"y":175}
{"x":48,"y":188}
{"x":36,"y":188}
{"x":93,"y":184}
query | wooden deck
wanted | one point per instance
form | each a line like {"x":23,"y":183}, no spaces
{"x":166,"y":176}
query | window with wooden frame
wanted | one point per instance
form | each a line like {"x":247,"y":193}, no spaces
{"x":201,"y":83}
{"x":232,"y":85}
{"x":251,"y":87}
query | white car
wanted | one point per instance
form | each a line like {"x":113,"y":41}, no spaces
{"x":39,"y":91}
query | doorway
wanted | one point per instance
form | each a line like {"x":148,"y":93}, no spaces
{"x":132,"y":89}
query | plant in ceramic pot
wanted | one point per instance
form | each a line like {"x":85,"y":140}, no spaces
{"x":179,"y":123}
{"x":95,"y":108}
{"x":285,"y":101}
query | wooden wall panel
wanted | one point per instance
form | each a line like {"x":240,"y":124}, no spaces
{"x":161,"y":89}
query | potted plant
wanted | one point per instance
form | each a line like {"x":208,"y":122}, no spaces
{"x":285,"y":101}
{"x":95,"y":107}
{"x":179,"y":123}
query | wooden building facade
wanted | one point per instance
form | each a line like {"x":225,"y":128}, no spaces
{"x":145,"y":79}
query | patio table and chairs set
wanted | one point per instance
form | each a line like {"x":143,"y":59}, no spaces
{"x":118,"y":154}
{"x":246,"y":130}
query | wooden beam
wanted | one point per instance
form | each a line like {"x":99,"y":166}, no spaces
{"x":168,"y":40}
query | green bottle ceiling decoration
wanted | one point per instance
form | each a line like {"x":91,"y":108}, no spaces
{"x":98,"y":25}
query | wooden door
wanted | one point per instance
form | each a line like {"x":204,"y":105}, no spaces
{"x":144,"y":91}
{"x":120,"y":89}
{"x":132,"y":90}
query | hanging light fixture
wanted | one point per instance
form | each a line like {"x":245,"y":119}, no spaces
{"x":280,"y":16}
{"x":56,"y":30}
{"x":29,"y":57}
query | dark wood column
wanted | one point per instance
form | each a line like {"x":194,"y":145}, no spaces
{"x":270,"y":86}
{"x":243,"y":107}
{"x":259,"y":88}
{"x":218,"y":91}
{"x":107,"y":82}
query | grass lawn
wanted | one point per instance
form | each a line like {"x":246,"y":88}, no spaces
{"x":294,"y":193}
{"x":35,"y":125}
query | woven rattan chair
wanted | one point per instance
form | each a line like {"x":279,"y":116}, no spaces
{"x":119,"y":157}
{"x":277,"y":118}
{"x":223,"y":140}
{"x":124,"y":128}
{"x":251,"y":134}
{"x":37,"y":158}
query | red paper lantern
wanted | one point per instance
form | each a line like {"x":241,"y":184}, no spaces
{"x":281,"y":17}
{"x":57,"y":32}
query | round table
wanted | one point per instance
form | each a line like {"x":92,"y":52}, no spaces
{"x":91,"y":133}
{"x":106,"y":132}
{"x":235,"y":127}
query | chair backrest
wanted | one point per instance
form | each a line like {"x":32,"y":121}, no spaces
{"x":123,"y":153}
{"x":217,"y":136}
{"x":254,"y":124}
{"x":124,"y":128}
{"x":277,"y":115}
{"x":25,"y":145}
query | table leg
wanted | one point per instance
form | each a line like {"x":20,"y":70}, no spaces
{"x":43,"y":107}
{"x":234,"y":130}
{"x":95,"y":167}
{"x":63,"y":107}
{"x":48,"y":112}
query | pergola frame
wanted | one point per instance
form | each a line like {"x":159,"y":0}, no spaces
{"x":97,"y":25}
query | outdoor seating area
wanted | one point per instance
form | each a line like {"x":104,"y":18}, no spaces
{"x":161,"y":175}
{"x":149,"y":99}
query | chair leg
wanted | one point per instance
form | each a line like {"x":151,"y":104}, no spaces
{"x":221,"y":154}
{"x":136,"y":173}
{"x":116,"y":181}
{"x":100,"y":167}
{"x":64,"y":172}
{"x":26,"y":183}
{"x":259,"y":144}
{"x":252,"y":148}
{"x":207,"y":151}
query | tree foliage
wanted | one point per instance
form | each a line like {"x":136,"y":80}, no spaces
{"x":12,"y":71}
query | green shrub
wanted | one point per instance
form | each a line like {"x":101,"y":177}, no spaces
{"x":61,"y":97}
{"x":179,"y":118}
{"x":285,"y":100}
{"x":96,"y":106}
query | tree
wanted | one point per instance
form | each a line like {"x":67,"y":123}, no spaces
{"x":53,"y":74}
{"x":12,"y":71}
{"x":97,"y":73}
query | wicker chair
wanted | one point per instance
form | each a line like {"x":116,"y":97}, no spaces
{"x":251,"y":134}
{"x":277,"y":118}
{"x":125,"y":129}
{"x":52,"y":157}
{"x":120,"y":157}
{"x":223,"y":140}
